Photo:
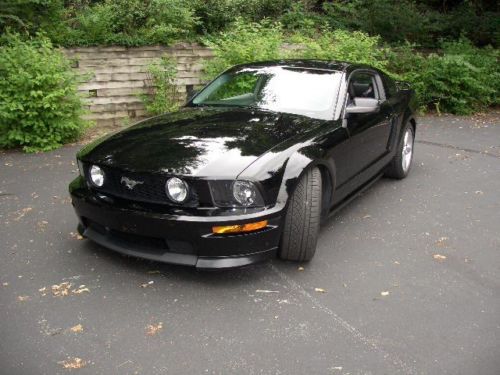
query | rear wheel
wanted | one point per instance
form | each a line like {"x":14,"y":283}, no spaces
{"x":401,"y":164}
{"x":302,"y":220}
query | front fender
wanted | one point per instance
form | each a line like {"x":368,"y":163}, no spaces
{"x":279,"y":173}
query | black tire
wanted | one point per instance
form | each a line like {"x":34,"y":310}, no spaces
{"x":302,"y":220}
{"x":396,"y":167}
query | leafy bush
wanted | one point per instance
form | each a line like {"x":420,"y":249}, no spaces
{"x":245,"y":42}
{"x":248,"y":42}
{"x":30,"y":15}
{"x":217,"y":15}
{"x":461,"y":80}
{"x":424,"y":22}
{"x":39,"y":105}
{"x":164,"y":96}
{"x":127,"y":22}
{"x":343,"y":46}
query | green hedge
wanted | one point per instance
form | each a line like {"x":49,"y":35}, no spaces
{"x":39,"y":105}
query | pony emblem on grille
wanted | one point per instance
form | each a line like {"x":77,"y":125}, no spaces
{"x":129,"y":183}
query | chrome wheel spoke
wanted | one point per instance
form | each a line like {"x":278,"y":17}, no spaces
{"x":407,"y":150}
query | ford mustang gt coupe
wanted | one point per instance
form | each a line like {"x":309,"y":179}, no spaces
{"x":249,"y":167}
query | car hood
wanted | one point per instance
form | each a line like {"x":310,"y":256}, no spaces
{"x":215,"y":142}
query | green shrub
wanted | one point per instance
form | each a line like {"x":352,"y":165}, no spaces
{"x":164,"y":96}
{"x":127,"y":22}
{"x":461,"y":79}
{"x":30,"y":15}
{"x":343,"y":46}
{"x":245,"y":42}
{"x":217,"y":15}
{"x":425,"y":22}
{"x":39,"y":105}
{"x":298,"y":19}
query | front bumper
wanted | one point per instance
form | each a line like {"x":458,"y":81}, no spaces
{"x":173,"y":237}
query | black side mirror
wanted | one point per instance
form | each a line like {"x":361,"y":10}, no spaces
{"x":363,"y":105}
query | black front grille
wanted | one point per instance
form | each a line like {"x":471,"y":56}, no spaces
{"x":150,"y":188}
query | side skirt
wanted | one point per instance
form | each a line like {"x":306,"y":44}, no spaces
{"x":339,"y":206}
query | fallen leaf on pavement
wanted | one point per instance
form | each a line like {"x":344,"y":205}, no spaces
{"x":319,"y":290}
{"x":42,"y":225}
{"x":76,"y":236}
{"x":439,"y":257}
{"x":61,"y":290}
{"x":77,"y":329}
{"x":21,"y":213}
{"x":80,"y":289}
{"x":73,"y":363}
{"x":266,"y":291}
{"x":384,"y":294}
{"x":145,"y":285}
{"x":152,"y":329}
{"x":23,"y":298}
{"x":442,"y":241}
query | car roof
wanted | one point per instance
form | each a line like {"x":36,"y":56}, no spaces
{"x":303,"y":63}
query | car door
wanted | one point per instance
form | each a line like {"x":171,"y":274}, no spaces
{"x":368,"y":132}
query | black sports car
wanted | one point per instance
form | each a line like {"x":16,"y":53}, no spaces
{"x":249,"y":167}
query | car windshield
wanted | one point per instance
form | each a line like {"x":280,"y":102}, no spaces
{"x":308,"y":92}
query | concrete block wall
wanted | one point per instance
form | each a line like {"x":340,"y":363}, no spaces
{"x":115,"y":77}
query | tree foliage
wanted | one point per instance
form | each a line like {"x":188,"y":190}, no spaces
{"x":142,"y":22}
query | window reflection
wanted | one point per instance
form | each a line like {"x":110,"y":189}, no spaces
{"x":308,"y":92}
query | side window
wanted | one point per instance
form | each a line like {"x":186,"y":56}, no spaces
{"x":390,"y":87}
{"x":362,"y":85}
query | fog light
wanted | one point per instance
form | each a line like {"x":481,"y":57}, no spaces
{"x":240,"y":228}
{"x":97,"y":176}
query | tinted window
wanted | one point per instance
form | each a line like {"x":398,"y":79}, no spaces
{"x":362,"y":85}
{"x":307,"y":92}
{"x":390,"y":87}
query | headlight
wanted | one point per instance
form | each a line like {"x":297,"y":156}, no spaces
{"x":227,"y":193}
{"x":176,"y":189}
{"x":97,"y":176}
{"x":244,"y":192}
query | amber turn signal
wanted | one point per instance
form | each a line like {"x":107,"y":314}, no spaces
{"x":249,"y":227}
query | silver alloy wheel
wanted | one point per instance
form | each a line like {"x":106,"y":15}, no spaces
{"x":407,"y":150}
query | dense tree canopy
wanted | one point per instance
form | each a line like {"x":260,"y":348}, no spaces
{"x":139,"y":22}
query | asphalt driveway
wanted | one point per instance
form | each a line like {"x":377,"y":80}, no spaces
{"x":405,"y":280}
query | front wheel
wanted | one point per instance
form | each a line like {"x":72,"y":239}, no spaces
{"x":401,"y":164}
{"x":302,"y":220}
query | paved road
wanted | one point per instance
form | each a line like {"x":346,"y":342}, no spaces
{"x":389,"y":305}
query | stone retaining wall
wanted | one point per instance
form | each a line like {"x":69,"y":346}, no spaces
{"x":118,"y":75}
